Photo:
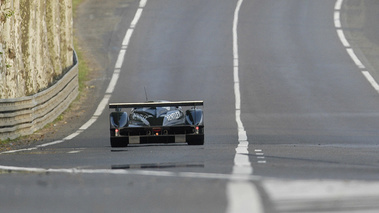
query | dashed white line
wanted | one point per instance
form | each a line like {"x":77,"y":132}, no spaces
{"x":338,"y":5}
{"x":70,"y":137}
{"x":346,"y":44}
{"x":136,"y":17}
{"x":111,"y":86}
{"x":142,"y":3}
{"x":337,"y":20}
{"x":126,"y":40}
{"x":112,"y":83}
{"x":342,"y":37}
{"x":355,"y":58}
{"x":371,"y":80}
{"x":241,"y":192}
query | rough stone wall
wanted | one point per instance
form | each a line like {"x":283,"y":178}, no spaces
{"x":36,"y":45}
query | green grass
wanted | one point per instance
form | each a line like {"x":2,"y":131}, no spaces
{"x":83,"y":66}
{"x":75,"y":4}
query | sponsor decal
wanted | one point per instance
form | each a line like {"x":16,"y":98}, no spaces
{"x":173,"y":116}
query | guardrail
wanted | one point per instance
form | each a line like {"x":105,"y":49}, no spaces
{"x":23,"y":116}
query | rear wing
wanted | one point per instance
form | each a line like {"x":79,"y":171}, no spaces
{"x":156,"y":104}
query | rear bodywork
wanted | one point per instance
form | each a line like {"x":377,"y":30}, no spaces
{"x":157,"y":122}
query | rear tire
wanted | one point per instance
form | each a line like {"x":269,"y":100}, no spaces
{"x":119,"y":141}
{"x":195,"y":140}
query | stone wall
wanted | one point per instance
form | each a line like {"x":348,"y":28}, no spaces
{"x":36,"y":45}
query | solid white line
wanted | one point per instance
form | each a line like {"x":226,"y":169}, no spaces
{"x":371,"y":80}
{"x":242,"y":148}
{"x":237,"y":95}
{"x":219,"y":176}
{"x":235,"y":75}
{"x":242,"y":196}
{"x":247,"y":201}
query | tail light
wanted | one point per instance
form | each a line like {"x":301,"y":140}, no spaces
{"x":196,"y":130}
{"x":157,"y":131}
{"x":117,"y":132}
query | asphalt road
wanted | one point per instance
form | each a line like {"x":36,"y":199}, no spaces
{"x":310,"y":115}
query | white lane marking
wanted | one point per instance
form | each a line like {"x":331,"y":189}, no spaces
{"x":242,"y":196}
{"x":136,"y":18}
{"x":126,"y":40}
{"x":103,"y":104}
{"x":142,"y":3}
{"x":70,"y":137}
{"x":74,"y":152}
{"x":242,"y":148}
{"x":251,"y":201}
{"x":355,"y":58}
{"x":338,"y":5}
{"x":346,"y":44}
{"x":371,"y":80}
{"x":110,"y":89}
{"x":112,"y":83}
{"x":342,"y":37}
{"x":337,"y":20}
{"x":260,"y":156}
{"x":33,"y":148}
{"x":219,"y":176}
{"x":19,"y":150}
{"x":347,"y":196}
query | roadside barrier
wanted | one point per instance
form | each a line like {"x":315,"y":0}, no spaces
{"x":25,"y":115}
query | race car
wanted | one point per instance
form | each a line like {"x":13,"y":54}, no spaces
{"x":156,"y":122}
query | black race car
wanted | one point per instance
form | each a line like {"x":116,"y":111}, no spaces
{"x":157,"y":122}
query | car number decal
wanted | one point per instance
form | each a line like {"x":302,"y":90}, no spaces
{"x":173,"y":116}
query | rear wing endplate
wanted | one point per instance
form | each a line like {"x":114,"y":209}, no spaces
{"x":156,"y":104}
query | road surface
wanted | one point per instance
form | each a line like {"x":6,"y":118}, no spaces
{"x":291,"y":114}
